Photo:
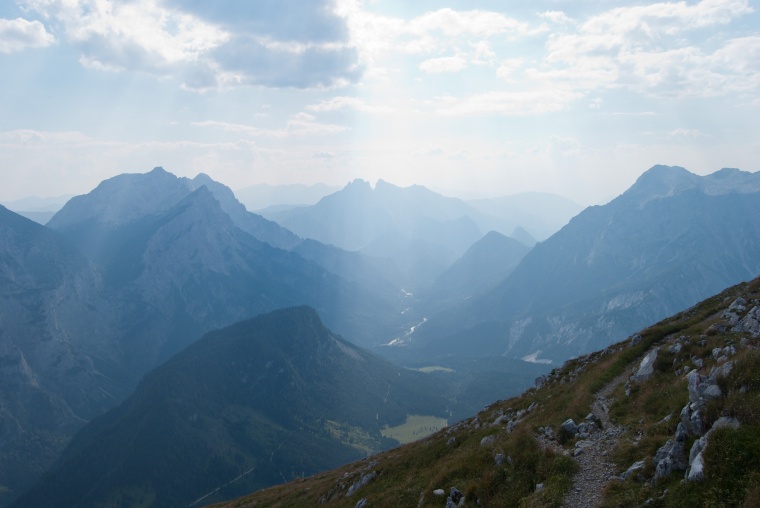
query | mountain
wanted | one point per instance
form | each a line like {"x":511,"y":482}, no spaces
{"x":489,"y":261}
{"x":77,"y":335}
{"x":40,"y":210}
{"x":253,"y":224}
{"x":670,"y":240}
{"x":96,"y":221}
{"x":261,"y":196}
{"x":540,"y":213}
{"x":260,"y":402}
{"x":55,"y":344}
{"x":421,"y":231}
{"x":669,"y":417}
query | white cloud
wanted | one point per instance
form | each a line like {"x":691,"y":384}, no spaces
{"x":453,"y":23}
{"x":209,"y":46}
{"x":508,"y":68}
{"x":300,"y":125}
{"x":557,"y":17}
{"x":507,"y":103}
{"x":138,"y":35}
{"x":444,"y":64}
{"x":342,"y":103}
{"x":647,"y":48}
{"x":19,"y":34}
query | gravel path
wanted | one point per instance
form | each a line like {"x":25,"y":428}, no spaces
{"x":592,"y":454}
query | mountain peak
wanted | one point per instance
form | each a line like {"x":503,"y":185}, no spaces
{"x":123,"y":199}
{"x":203,"y":179}
{"x":358,"y":185}
{"x":661,"y":181}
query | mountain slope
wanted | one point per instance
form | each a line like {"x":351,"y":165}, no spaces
{"x":271,"y":398}
{"x":667,"y":242}
{"x":624,"y":426}
{"x":191,"y":270}
{"x":489,"y":261}
{"x":55,"y":346}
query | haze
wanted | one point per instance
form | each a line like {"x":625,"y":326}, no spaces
{"x":476,"y":98}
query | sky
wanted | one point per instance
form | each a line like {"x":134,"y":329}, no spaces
{"x":471,"y":98}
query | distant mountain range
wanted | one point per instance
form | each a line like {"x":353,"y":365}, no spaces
{"x":263,"y":401}
{"x":166,"y":264}
{"x":422,"y":232}
{"x":261,"y":196}
{"x":672,"y":239}
{"x":135,"y":272}
{"x":40,"y":210}
{"x":542,"y":214}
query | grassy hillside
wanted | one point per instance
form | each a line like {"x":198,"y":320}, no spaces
{"x":519,"y":452}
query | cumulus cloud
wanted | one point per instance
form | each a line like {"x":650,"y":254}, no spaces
{"x":225,"y":43}
{"x":650,"y":49}
{"x":19,"y":34}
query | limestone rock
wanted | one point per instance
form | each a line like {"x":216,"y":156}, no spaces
{"x":646,"y":367}
{"x":670,"y":457}
{"x":635,"y":467}
{"x":569,"y":428}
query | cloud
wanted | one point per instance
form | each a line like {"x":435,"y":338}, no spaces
{"x":377,"y":36}
{"x":453,"y":23}
{"x":557,"y":17}
{"x":507,"y":103}
{"x":19,"y":34}
{"x":300,"y":125}
{"x":444,"y":64}
{"x":341,"y":103}
{"x":509,"y":67}
{"x":206,"y":45}
{"x":650,"y":49}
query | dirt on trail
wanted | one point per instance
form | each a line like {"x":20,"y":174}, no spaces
{"x":596,"y":469}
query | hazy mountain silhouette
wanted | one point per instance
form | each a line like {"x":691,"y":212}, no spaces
{"x":273,"y":398}
{"x":77,"y":335}
{"x":96,"y":221}
{"x":672,"y":239}
{"x":56,"y":342}
{"x":259,"y":197}
{"x":488,"y":262}
{"x":541,"y":214}
{"x":421,"y":231}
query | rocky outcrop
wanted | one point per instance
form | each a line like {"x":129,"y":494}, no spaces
{"x":646,"y":368}
{"x":696,"y":471}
